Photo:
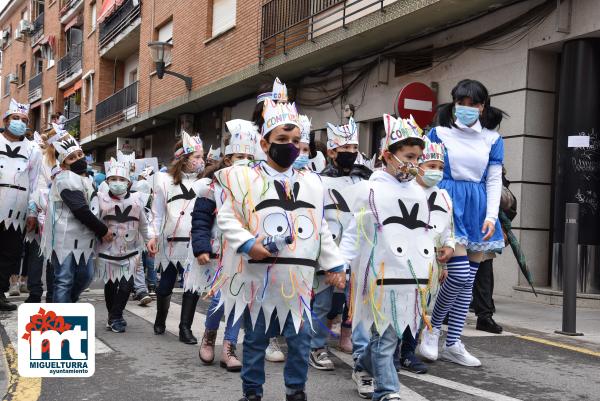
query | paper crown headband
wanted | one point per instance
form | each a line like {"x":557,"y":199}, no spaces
{"x":305,"y":128}
{"x":118,"y":169}
{"x":244,"y":135}
{"x":277,"y":114}
{"x":147,"y":172}
{"x":342,"y":135}
{"x":432,"y":151}
{"x":278,"y":94}
{"x":59,"y":132}
{"x":190,"y":144}
{"x":214,"y":154}
{"x":129,"y":159}
{"x":399,"y":129}
{"x":16,"y":108}
{"x":65,"y":147}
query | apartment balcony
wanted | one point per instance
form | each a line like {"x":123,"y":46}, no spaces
{"x":120,"y":106}
{"x":38,"y":29}
{"x":68,"y":8}
{"x":35,"y":88}
{"x":72,"y":125}
{"x":69,"y":67}
{"x":120,"y":31}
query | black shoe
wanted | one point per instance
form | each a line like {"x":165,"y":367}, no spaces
{"x":297,"y":396}
{"x":189,"y":301}
{"x":162,"y":310}
{"x":251,"y":397}
{"x":412,"y":364}
{"x":446,"y":319}
{"x":5,"y":305}
{"x":488,"y":324}
{"x":33,"y":299}
{"x":143,"y":298}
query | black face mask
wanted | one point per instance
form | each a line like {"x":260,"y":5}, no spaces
{"x":79,"y":166}
{"x":283,"y":154}
{"x":345,"y":160}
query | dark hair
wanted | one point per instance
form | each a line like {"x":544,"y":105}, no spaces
{"x":257,"y":117}
{"x":394,"y":147}
{"x":490,"y":117}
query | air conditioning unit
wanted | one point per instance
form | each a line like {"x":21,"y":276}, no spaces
{"x":13,"y":79}
{"x":19,"y":35}
{"x":25,"y":26}
{"x":5,"y":35}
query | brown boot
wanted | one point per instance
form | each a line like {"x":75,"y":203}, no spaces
{"x":229,"y":359}
{"x":207,"y":347}
{"x":346,"y":340}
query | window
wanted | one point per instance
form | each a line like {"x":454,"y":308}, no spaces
{"x":48,"y":110}
{"x":73,"y":105}
{"x":25,"y":15}
{"x":1,"y":57}
{"x":223,"y":15}
{"x":48,"y":54}
{"x":165,"y":32}
{"x":6,"y":85}
{"x":38,"y":8}
{"x":93,"y":16}
{"x":22,"y":71}
{"x":88,"y":90}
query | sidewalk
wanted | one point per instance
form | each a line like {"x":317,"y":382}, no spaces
{"x":546,"y":319}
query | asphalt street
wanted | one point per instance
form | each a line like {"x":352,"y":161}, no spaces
{"x":139,"y":365}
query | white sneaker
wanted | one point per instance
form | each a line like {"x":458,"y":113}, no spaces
{"x":391,"y":396}
{"x":458,"y":354}
{"x":364,"y":384}
{"x":273,"y":352}
{"x":428,"y":347}
{"x":14,"y":289}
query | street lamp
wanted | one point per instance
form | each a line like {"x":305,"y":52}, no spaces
{"x":161,"y":53}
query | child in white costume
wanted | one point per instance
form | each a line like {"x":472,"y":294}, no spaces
{"x":174,"y":197}
{"x":71,"y":226}
{"x":207,"y":242}
{"x":338,"y":179}
{"x":272,"y":291}
{"x":19,"y":169}
{"x":394,"y":245}
{"x":116,"y":262}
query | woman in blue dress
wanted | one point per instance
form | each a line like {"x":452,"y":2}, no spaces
{"x":473,"y":178}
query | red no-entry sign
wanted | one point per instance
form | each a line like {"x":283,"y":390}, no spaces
{"x":419,"y":100}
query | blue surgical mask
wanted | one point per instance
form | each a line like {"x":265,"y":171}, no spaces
{"x":301,"y":162}
{"x":17,"y":127}
{"x":466,"y":115}
{"x":432,"y":177}
{"x":118,"y":187}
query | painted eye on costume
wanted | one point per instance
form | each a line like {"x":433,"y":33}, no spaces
{"x":398,"y":249}
{"x":437,"y":228}
{"x":275,"y":224}
{"x":335,"y":229}
{"x":130,"y":235}
{"x":304,"y":227}
{"x":426,"y":251}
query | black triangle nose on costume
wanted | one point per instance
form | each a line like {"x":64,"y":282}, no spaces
{"x":432,"y":206}
{"x":408,"y":220}
{"x":339,"y":203}
{"x":286,"y":203}
{"x":186,"y":194}
{"x":121,"y":216}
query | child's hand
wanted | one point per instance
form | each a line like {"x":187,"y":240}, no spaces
{"x":337,"y":280}
{"x":31,"y":223}
{"x":152,"y":247}
{"x":488,"y":229}
{"x":444,"y":254}
{"x":443,"y":276}
{"x":203,"y":258}
{"x":108,"y":237}
{"x":258,"y":251}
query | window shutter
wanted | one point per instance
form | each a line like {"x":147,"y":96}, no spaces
{"x":165,"y":33}
{"x":223,"y":15}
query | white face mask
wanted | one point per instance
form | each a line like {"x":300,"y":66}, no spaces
{"x":118,"y":187}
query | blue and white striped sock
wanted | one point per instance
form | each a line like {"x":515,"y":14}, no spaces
{"x":458,"y":275}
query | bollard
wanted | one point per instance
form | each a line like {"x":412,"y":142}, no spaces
{"x":570,"y":271}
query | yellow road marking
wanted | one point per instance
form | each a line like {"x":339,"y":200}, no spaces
{"x":20,"y":388}
{"x":561,"y":345}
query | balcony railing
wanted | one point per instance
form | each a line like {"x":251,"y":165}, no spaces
{"x":38,"y":29}
{"x":72,"y":125}
{"x":66,"y":5}
{"x":35,"y":88}
{"x":289,"y":23}
{"x":118,"y":21}
{"x":118,"y":107}
{"x":70,"y":63}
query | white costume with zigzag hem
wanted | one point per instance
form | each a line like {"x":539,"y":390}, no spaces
{"x":63,"y":233}
{"x":260,"y":202}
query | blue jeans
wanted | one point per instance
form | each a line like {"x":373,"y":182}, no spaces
{"x":321,"y":306}
{"x":148,"y":262}
{"x":378,"y":361}
{"x":213,"y":320}
{"x":256,"y":341}
{"x":360,"y":340}
{"x":71,"y":278}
